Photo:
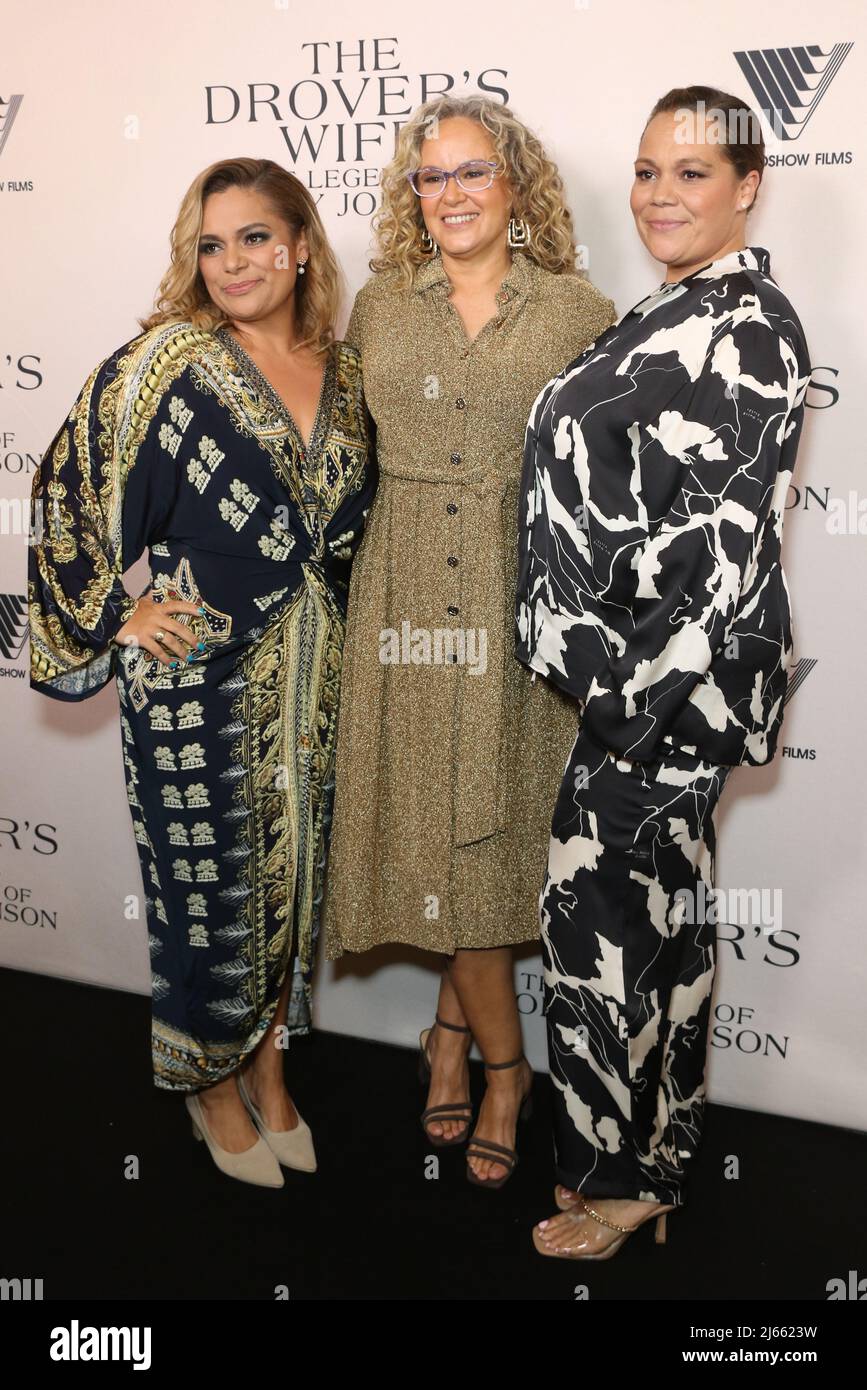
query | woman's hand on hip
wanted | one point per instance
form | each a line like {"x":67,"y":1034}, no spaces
{"x":152,"y":627}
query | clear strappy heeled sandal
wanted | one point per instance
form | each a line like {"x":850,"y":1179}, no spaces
{"x":577,"y":1212}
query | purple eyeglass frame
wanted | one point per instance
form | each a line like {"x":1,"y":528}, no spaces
{"x":450,"y":174}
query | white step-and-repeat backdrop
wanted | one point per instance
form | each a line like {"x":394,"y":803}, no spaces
{"x":109,"y":109}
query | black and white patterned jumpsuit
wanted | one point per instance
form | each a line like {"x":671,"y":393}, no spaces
{"x":651,"y":588}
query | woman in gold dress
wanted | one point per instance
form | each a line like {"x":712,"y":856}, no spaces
{"x":449,"y":752}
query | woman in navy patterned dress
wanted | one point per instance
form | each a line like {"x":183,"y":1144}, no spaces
{"x":651,"y":589}
{"x":228,"y":667}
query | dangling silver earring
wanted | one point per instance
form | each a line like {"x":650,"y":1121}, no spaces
{"x":302,"y":267}
{"x":428,"y":245}
{"x":519,"y":233}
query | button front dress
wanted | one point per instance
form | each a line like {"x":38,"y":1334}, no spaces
{"x":179,"y":444}
{"x":449,"y":753}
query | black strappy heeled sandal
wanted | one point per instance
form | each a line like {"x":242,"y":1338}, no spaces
{"x":498,"y":1153}
{"x":455,"y":1110}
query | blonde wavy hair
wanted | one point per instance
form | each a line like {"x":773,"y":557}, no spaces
{"x":539,"y":196}
{"x":182,"y":293}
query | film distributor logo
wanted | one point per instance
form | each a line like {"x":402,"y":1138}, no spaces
{"x":9,"y":108}
{"x":797,"y":675}
{"x":789,"y":84}
{"x":14,"y":628}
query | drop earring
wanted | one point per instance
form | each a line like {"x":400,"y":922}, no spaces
{"x":302,"y":267}
{"x":519,"y":233}
{"x":428,"y":245}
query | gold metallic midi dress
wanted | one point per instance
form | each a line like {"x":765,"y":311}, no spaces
{"x":449,"y":752}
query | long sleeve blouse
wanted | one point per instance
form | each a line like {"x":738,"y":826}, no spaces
{"x":655,"y":473}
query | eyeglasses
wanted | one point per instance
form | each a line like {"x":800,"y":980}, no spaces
{"x":472,"y":176}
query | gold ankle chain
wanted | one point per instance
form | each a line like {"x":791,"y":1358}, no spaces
{"x":597,"y":1216}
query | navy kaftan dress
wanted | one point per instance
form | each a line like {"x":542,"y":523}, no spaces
{"x":178,"y":443}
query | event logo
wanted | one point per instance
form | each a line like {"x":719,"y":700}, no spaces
{"x":8,"y":111}
{"x":822,"y":386}
{"x":13,"y":627}
{"x":17,"y":907}
{"x":802,"y":497}
{"x":530,"y":993}
{"x":13,"y":460}
{"x":12,"y":835}
{"x":789,"y":83}
{"x":733,"y":1027}
{"x":340,"y":117}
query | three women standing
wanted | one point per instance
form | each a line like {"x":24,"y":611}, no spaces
{"x":650,"y":595}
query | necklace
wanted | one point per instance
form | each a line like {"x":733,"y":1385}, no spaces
{"x":263,"y":385}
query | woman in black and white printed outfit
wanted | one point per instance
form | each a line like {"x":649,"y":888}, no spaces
{"x":651,"y":588}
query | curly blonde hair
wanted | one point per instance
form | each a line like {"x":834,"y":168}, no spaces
{"x":538,"y":189}
{"x":182,"y":293}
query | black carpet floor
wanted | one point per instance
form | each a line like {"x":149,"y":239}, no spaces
{"x":372,"y":1224}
